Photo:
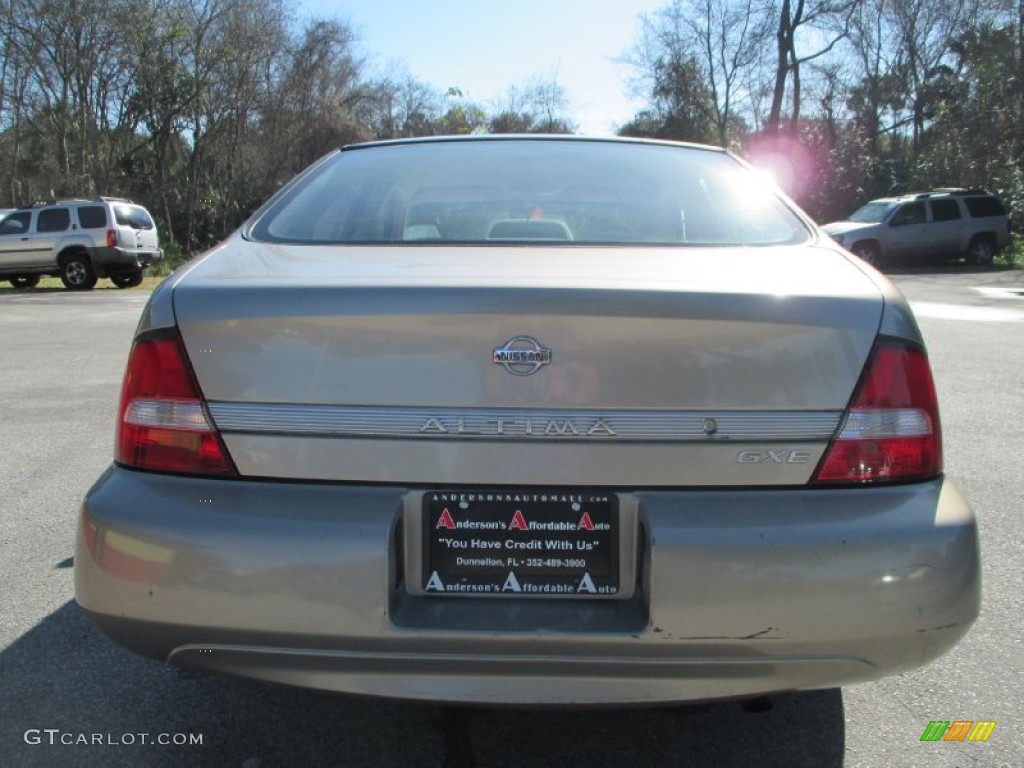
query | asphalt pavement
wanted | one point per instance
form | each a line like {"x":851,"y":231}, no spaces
{"x":69,"y":697}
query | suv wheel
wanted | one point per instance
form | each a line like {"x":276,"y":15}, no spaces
{"x":980,"y":251}
{"x":77,"y":273}
{"x":129,"y":280}
{"x":24,"y":281}
{"x":867,"y":252}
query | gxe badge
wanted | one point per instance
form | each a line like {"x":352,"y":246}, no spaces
{"x":522,"y":355}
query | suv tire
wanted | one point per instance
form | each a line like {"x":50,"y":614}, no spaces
{"x":24,"y":281}
{"x":129,"y":280}
{"x":981,"y":251}
{"x":867,"y":251}
{"x":77,"y":274}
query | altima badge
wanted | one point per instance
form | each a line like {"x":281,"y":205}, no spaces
{"x":522,"y":356}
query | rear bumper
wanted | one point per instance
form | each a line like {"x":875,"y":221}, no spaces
{"x":111,"y":261}
{"x":738,"y":592}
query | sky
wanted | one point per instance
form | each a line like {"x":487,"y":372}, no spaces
{"x":483,"y":47}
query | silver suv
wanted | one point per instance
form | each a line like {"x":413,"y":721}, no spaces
{"x":944,"y":223}
{"x":79,"y":241}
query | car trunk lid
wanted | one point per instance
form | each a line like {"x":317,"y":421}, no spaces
{"x":667,"y":366}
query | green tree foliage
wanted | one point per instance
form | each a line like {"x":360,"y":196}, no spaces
{"x":681,"y":103}
{"x":974,"y":108}
{"x":201,"y":109}
{"x":672,"y":78}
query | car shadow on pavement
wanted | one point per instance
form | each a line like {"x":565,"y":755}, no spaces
{"x":37,"y":291}
{"x":64,"y":682}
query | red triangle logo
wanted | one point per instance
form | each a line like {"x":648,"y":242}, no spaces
{"x":518,"y":522}
{"x":445,"y":521}
{"x":585,"y":523}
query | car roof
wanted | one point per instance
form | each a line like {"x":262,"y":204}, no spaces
{"x":547,"y":137}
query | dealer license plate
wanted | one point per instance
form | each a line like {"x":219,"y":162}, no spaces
{"x":521,"y":544}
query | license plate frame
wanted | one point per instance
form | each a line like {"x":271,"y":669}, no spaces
{"x":522,"y":544}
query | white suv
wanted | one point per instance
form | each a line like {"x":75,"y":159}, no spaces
{"x":80,"y":241}
{"x":944,"y":223}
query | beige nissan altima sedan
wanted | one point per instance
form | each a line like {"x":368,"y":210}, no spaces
{"x":533,"y":420}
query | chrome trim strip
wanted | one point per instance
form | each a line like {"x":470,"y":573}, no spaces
{"x":598,"y":425}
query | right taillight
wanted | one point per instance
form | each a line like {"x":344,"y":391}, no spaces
{"x":890,"y":431}
{"x":163,"y":423}
{"x":111,"y":238}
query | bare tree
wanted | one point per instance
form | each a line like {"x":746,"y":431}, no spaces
{"x":876,"y":51}
{"x":539,"y":106}
{"x":826,"y":24}
{"x":74,"y":80}
{"x":728,"y":36}
{"x":670,"y":75}
{"x":927,"y":29}
{"x":398,"y":105}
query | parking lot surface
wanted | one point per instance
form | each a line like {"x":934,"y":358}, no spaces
{"x":72,"y":698}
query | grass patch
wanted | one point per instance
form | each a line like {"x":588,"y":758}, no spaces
{"x":1013,"y":254}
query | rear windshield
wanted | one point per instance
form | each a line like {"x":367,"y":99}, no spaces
{"x":555,"y":192}
{"x":132,"y":216}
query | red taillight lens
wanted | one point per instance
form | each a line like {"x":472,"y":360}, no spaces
{"x":891,"y":429}
{"x":111,"y":238}
{"x":163,"y":424}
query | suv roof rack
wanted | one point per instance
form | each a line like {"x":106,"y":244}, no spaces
{"x":65,"y":200}
{"x":946,"y":191}
{"x":95,"y":199}
{"x":969,"y":191}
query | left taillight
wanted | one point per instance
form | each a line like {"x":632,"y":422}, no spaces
{"x":163,"y":423}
